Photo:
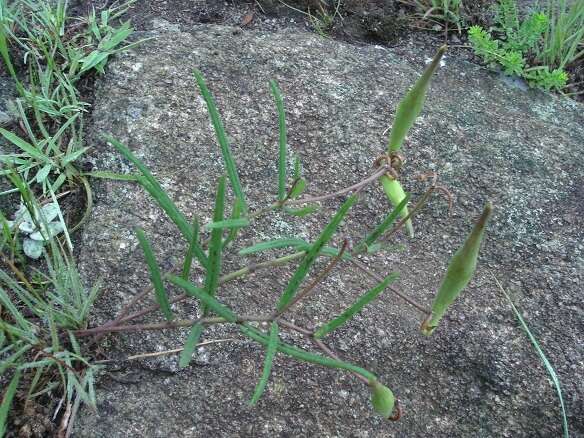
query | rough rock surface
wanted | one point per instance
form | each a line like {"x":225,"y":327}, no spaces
{"x":478,"y":375}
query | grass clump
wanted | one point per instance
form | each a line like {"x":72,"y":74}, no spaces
{"x":40,"y":308}
{"x":49,"y":55}
{"x":54,"y":52}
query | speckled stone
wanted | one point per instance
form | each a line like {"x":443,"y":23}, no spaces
{"x":478,"y":375}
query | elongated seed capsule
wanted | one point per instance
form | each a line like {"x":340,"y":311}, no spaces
{"x":411,"y":105}
{"x":382,"y":398}
{"x":460,"y":271}
{"x":396,"y":195}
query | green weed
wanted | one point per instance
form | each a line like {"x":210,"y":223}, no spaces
{"x":210,"y":252}
{"x":537,"y":47}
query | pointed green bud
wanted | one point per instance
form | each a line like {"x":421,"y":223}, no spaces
{"x":382,"y":398}
{"x":396,"y":194}
{"x":411,"y":105}
{"x":460,"y":271}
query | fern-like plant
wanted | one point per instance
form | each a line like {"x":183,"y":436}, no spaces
{"x":513,"y":44}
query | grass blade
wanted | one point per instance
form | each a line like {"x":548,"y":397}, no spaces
{"x":153,"y":187}
{"x":155,"y":277}
{"x":216,"y":243}
{"x":548,"y":366}
{"x":190,"y":251}
{"x":235,"y":214}
{"x":228,"y":223}
{"x":383,"y":226}
{"x":275,"y":244}
{"x":304,"y":355}
{"x":301,"y":212}
{"x":7,"y":401}
{"x":206,"y":299}
{"x":270,"y":354}
{"x":283,"y":149}
{"x":298,"y":188}
{"x":313,"y":253}
{"x":25,"y":146}
{"x":190,"y":345}
{"x":356,"y":307}
{"x":221,"y":139}
{"x":105,"y":174}
{"x":177,"y":217}
{"x":411,"y":105}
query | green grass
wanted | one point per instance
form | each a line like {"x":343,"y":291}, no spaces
{"x":544,"y":360}
{"x":563,"y":40}
{"x":47,"y":53}
{"x":58,"y":51}
{"x":444,"y":12}
{"x":41,"y":307}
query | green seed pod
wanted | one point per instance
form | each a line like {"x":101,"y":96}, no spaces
{"x":411,"y":105}
{"x":396,"y":194}
{"x":382,"y":398}
{"x":460,"y":271}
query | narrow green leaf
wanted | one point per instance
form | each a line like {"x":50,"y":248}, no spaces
{"x":206,"y":299}
{"x":221,"y":139}
{"x":228,"y":223}
{"x":313,"y":253}
{"x":155,"y":190}
{"x":73,"y":156}
{"x":270,"y":354}
{"x":329,"y":251}
{"x":216,"y":243}
{"x":175,"y":216}
{"x":460,"y":271}
{"x":380,"y":229}
{"x":7,"y":401}
{"x":188,"y":262}
{"x":356,"y":307}
{"x":301,"y":212}
{"x":297,"y":167}
{"x":304,"y":355}
{"x":11,"y":360}
{"x":298,"y":188}
{"x":411,"y":105}
{"x":548,"y":366}
{"x":7,"y":303}
{"x":155,"y":277}
{"x":105,"y":174}
{"x":43,"y":173}
{"x":32,"y":151}
{"x":275,"y":244}
{"x":282,"y":160}
{"x":190,"y":345}
{"x":235,"y":214}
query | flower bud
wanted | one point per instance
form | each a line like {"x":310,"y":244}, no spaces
{"x":382,"y":398}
